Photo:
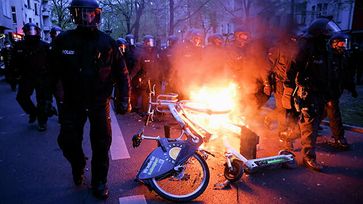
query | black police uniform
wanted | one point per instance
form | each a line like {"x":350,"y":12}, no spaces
{"x":146,"y":68}
{"x":341,"y":77}
{"x":282,"y":56}
{"x":30,"y":63}
{"x":311,"y":75}
{"x":88,"y":63}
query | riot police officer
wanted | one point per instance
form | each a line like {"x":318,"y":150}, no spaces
{"x":58,"y":92}
{"x":147,"y":68}
{"x":188,"y":70}
{"x":54,"y":32}
{"x":341,"y":77}
{"x":130,"y":51}
{"x":30,"y":63}
{"x":6,"y":54}
{"x":281,"y":57}
{"x":167,"y":57}
{"x":310,"y":75}
{"x":214,"y":56}
{"x":88,"y":63}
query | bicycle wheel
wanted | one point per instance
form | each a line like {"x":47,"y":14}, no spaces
{"x":185,"y":184}
{"x":236,"y":173}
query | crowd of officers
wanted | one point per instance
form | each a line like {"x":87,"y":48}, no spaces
{"x":306,"y":74}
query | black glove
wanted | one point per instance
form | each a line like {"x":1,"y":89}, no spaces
{"x":124,"y":106}
{"x":354,"y":93}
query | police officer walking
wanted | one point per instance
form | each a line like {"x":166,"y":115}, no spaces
{"x":30,"y":64}
{"x":88,"y":63}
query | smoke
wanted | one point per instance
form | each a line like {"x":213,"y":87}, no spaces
{"x":248,"y":66}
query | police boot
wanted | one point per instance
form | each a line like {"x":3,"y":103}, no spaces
{"x":339,"y":143}
{"x":78,"y":172}
{"x":100,"y":191}
{"x":312,"y":164}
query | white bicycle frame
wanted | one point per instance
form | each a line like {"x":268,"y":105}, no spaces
{"x":171,"y":105}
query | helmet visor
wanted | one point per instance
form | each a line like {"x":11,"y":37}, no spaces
{"x":32,"y":31}
{"x":87,"y":17}
{"x":150,"y":42}
{"x":340,"y":44}
{"x":332,"y":27}
{"x":131,"y":41}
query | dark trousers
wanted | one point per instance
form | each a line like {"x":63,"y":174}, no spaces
{"x":71,"y":137}
{"x":25,"y":91}
{"x":309,"y":122}
{"x":335,"y":118}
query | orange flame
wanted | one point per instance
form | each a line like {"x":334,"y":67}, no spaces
{"x":216,"y":109}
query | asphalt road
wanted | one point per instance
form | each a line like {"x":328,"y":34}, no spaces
{"x":33,"y":169}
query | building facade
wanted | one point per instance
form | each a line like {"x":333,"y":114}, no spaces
{"x":16,"y":13}
{"x":275,"y":14}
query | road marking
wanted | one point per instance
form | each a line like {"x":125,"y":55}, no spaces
{"x":118,"y":146}
{"x":137,"y":199}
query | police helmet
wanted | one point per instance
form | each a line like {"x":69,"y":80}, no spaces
{"x":122,"y":44}
{"x":340,"y":42}
{"x":85,"y":13}
{"x":195,"y":37}
{"x":31,"y":29}
{"x":130,"y":38}
{"x":216,"y":40}
{"x":323,"y":27}
{"x":54,"y":32}
{"x":149,"y":41}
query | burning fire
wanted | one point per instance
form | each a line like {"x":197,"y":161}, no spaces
{"x":216,"y":109}
{"x":216,"y":98}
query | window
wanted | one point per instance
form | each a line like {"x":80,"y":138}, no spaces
{"x":313,"y":11}
{"x":30,"y":20}
{"x":325,"y":9}
{"x":319,"y":10}
{"x":36,"y":9}
{"x":29,"y":7}
{"x":303,"y":18}
{"x":13,"y":14}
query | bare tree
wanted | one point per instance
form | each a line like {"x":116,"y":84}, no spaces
{"x":61,"y":13}
{"x":129,"y":10}
{"x":139,"y":8}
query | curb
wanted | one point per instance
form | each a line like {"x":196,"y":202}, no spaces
{"x":347,"y":127}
